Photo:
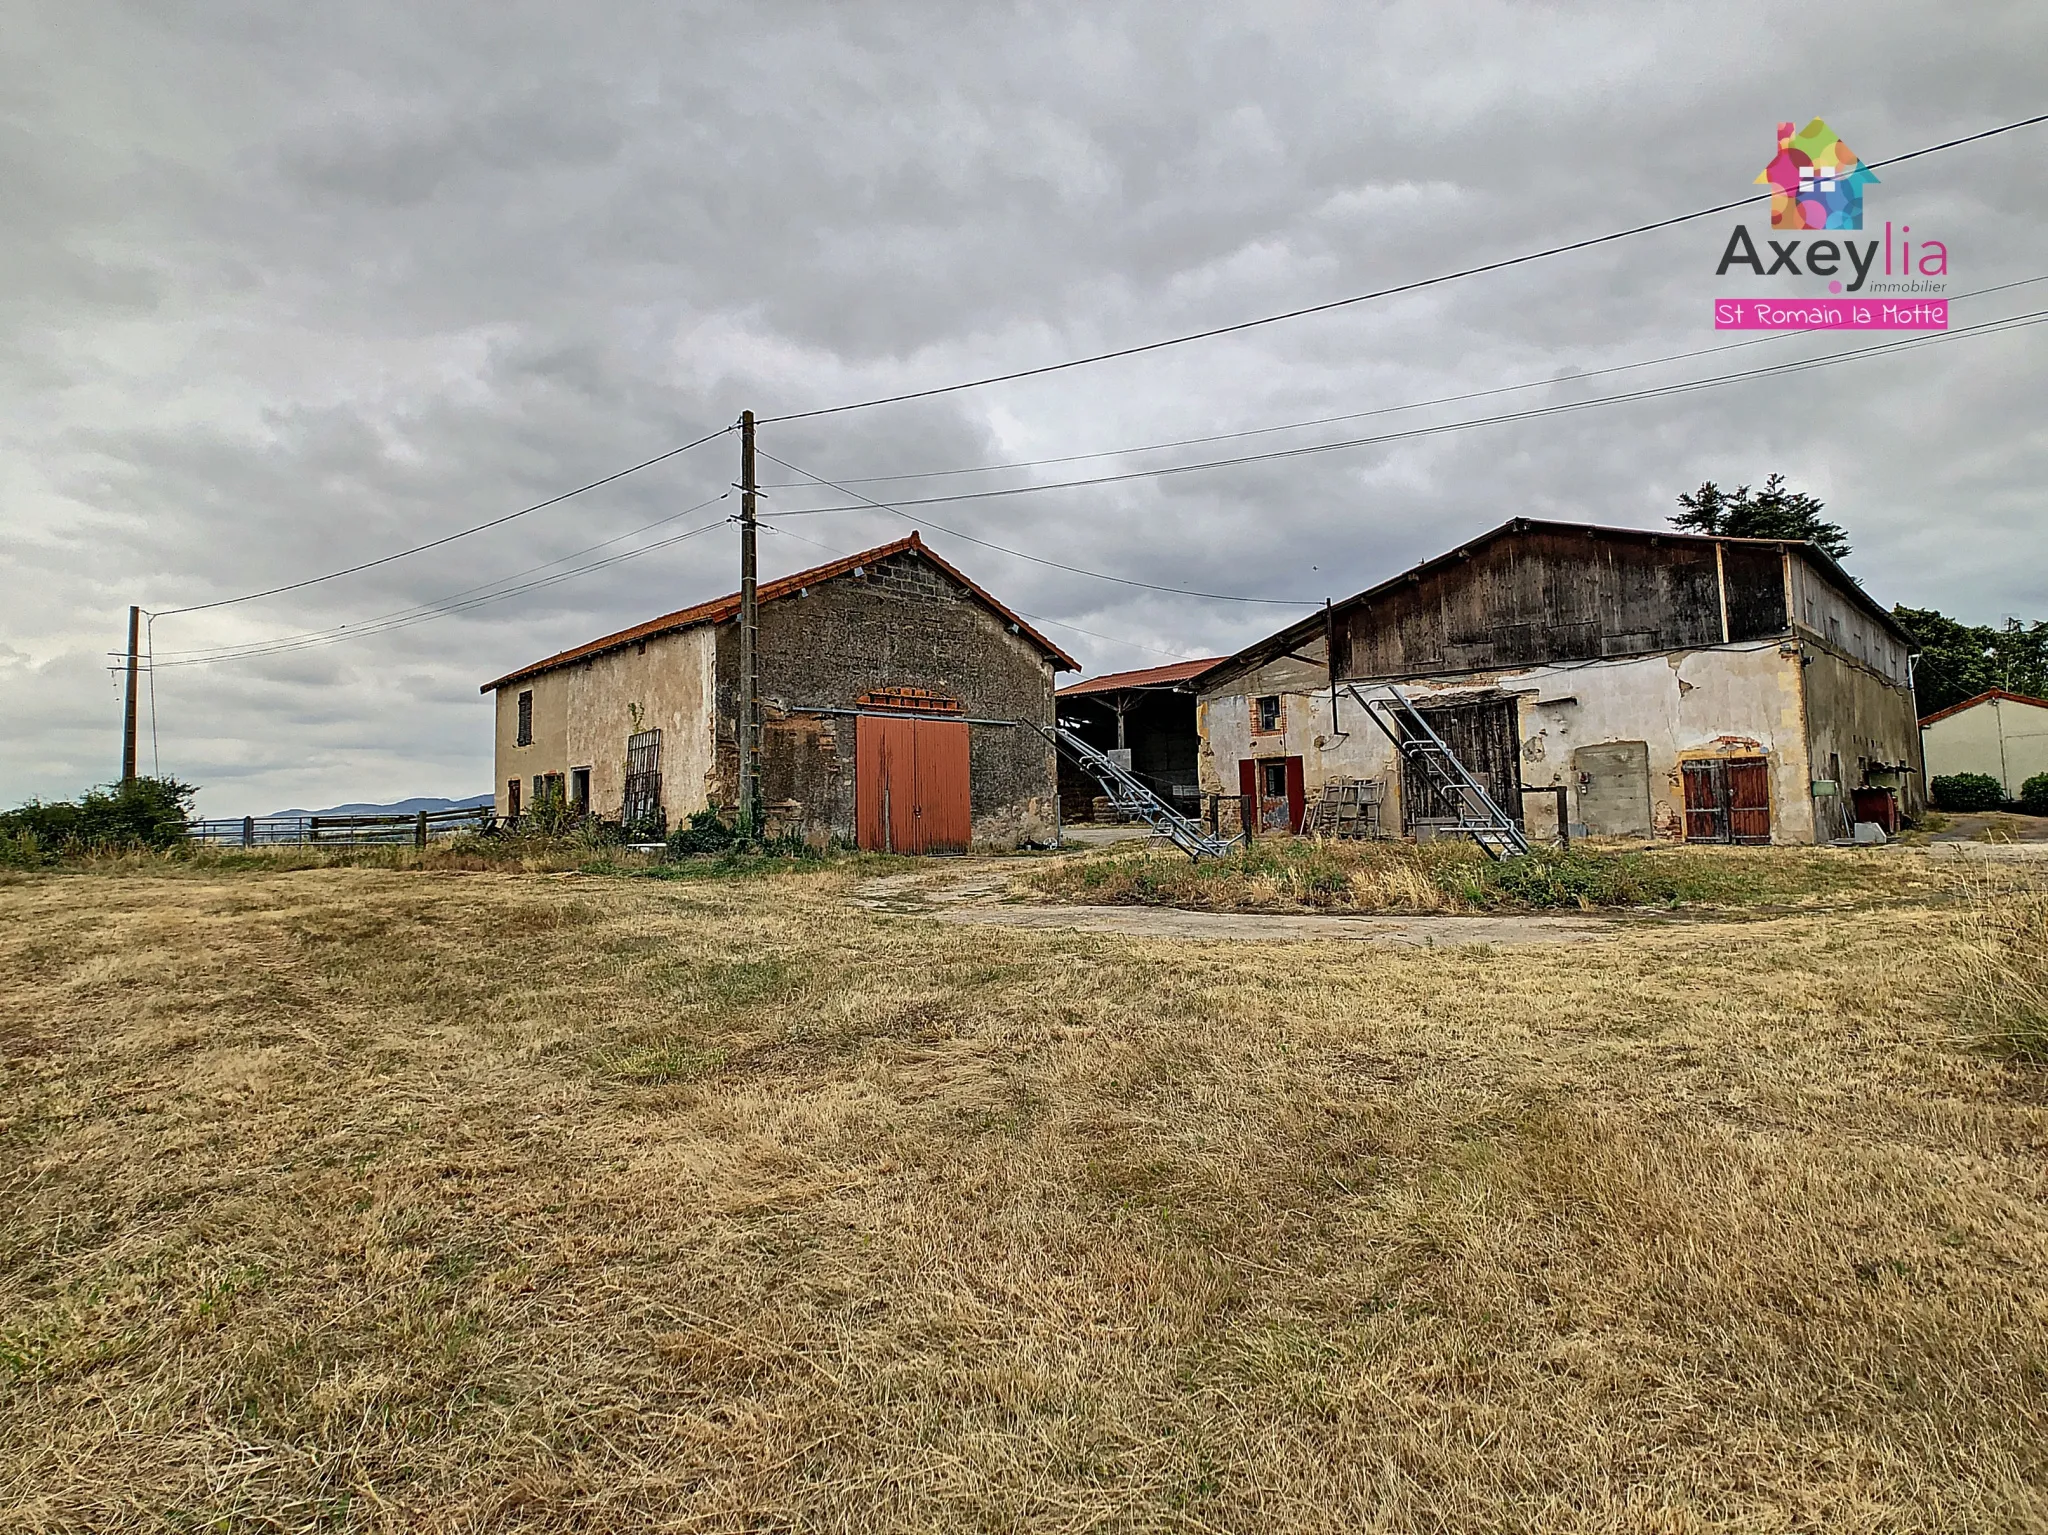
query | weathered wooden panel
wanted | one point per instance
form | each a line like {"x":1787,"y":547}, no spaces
{"x":1756,"y":592}
{"x":1706,"y":801}
{"x":1534,"y":598}
{"x":1749,"y":800}
{"x":1728,"y":799}
{"x":1482,"y":736}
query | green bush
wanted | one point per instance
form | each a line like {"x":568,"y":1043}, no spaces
{"x":2034,"y":795}
{"x":708,"y":831}
{"x":141,"y":813}
{"x":1967,"y":791}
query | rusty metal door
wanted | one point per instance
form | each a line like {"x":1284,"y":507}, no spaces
{"x":1614,"y":788}
{"x":910,"y":785}
{"x":1749,"y":800}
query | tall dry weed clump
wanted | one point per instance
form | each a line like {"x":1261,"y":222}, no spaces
{"x":2001,"y":958}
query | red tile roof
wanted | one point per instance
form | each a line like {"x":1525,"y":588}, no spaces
{"x":1150,"y":677}
{"x":1971,"y":703}
{"x":719,"y":609}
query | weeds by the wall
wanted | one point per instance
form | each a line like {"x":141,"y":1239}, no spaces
{"x":1303,"y":874}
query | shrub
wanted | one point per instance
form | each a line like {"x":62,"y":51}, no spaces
{"x":141,"y":813}
{"x":1967,"y":791}
{"x":707,"y":832}
{"x":2034,"y":795}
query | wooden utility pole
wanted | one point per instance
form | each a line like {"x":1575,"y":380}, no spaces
{"x":128,"y":714}
{"x":750,"y":682}
{"x":1330,"y":660}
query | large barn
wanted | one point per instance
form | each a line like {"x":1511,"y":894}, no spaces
{"x":899,"y":706}
{"x":1709,"y":689}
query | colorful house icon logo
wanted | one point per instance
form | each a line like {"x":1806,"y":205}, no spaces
{"x":1816,"y":182}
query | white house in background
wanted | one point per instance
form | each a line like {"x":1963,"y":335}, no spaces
{"x":1999,"y":734}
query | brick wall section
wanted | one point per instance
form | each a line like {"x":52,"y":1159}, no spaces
{"x":901,"y":624}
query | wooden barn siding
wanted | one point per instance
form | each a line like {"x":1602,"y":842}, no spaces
{"x":1543,"y":598}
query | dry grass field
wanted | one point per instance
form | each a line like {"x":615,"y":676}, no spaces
{"x":361,"y":1199}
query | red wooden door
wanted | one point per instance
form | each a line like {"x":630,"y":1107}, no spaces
{"x":1297,"y":796}
{"x":1749,"y":800}
{"x":910,"y":785}
{"x":1706,"y":801}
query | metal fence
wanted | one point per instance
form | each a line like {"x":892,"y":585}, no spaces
{"x":341,"y":830}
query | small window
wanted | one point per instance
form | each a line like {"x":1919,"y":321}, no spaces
{"x":525,"y":719}
{"x":1273,"y":778}
{"x":1266,"y":714}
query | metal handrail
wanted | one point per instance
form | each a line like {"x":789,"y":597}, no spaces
{"x":1494,"y":830}
{"x":1127,"y":793}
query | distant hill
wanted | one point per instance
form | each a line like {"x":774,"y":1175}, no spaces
{"x":398,"y":807}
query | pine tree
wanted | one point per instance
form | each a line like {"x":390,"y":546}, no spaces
{"x":1773,"y":512}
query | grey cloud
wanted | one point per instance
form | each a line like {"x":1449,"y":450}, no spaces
{"x":297,"y":287}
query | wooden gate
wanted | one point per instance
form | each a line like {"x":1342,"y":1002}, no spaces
{"x":1728,"y":799}
{"x":910,"y":786}
{"x":1483,"y":737}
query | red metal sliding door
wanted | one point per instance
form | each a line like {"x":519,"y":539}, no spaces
{"x":910,"y":785}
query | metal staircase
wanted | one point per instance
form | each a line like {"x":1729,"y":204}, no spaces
{"x":1478,"y":816}
{"x":1130,"y":796}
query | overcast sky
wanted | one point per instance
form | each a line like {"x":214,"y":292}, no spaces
{"x":288,"y":288}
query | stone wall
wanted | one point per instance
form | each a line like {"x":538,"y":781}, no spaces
{"x":901,"y":623}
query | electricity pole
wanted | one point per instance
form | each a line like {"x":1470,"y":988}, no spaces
{"x":750,"y":681}
{"x":128,"y":714}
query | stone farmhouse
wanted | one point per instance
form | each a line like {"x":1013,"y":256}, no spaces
{"x":899,"y":701}
{"x":1677,"y":686}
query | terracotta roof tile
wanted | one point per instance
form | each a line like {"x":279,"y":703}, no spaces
{"x":1149,"y":677}
{"x":1971,"y":703}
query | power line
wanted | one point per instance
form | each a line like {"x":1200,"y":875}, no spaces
{"x":1361,"y":298}
{"x":450,"y":606}
{"x":1560,"y":407}
{"x":883,"y":506}
{"x":437,"y":605}
{"x":1382,"y":410}
{"x":495,"y":522}
{"x":1036,"y":618}
{"x":318,"y":638}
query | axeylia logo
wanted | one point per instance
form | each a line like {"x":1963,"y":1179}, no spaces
{"x":1817,"y":185}
{"x":1816,"y":181}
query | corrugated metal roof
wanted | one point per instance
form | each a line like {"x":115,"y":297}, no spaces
{"x":720,"y":609}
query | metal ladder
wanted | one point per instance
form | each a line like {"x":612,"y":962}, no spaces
{"x":1348,"y":809}
{"x":1130,"y":796}
{"x":1478,"y":816}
